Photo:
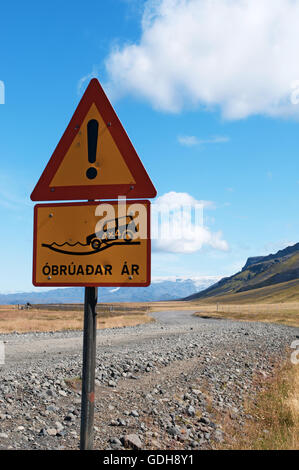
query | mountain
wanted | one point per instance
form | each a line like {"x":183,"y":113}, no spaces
{"x":273,"y":277}
{"x":161,"y":289}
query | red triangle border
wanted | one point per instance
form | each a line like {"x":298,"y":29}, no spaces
{"x":143,"y":188}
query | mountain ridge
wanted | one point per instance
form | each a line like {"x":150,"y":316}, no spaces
{"x":258,"y":272}
{"x":158,"y":290}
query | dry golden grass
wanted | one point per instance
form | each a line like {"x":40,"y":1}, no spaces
{"x":276,"y":293}
{"x":57,"y":318}
{"x":171,"y":305}
{"x":22,"y":321}
{"x":275,"y":416}
{"x":282,"y":313}
{"x":157,"y":306}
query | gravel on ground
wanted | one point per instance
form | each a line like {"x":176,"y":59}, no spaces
{"x":160,"y":385}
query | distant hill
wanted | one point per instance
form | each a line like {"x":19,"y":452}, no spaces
{"x":158,"y":290}
{"x":268,"y":278}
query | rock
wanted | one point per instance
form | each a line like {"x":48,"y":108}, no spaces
{"x":173,"y":431}
{"x":69,"y":417}
{"x":218,"y":435}
{"x":191,"y":411}
{"x":134,"y":413}
{"x":111,"y":383}
{"x":121,"y":422}
{"x":3,"y":435}
{"x":51,"y":431}
{"x":132,"y":441}
{"x":52,"y":408}
{"x":204,"y":420}
{"x":58,"y":426}
{"x":115,"y":443}
{"x":194,"y":444}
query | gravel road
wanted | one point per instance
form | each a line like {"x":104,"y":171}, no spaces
{"x":160,"y":385}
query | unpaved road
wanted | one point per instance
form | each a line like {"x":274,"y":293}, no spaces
{"x":163,"y":383}
{"x":28,"y":347}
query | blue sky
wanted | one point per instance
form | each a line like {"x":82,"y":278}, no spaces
{"x":210,"y":117}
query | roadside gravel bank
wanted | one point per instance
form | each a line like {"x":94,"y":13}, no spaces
{"x":157,"y":384}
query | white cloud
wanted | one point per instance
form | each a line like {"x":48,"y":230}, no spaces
{"x":240,"y":55}
{"x":177,"y":225}
{"x":191,"y":141}
{"x":88,"y":77}
{"x":188,"y":140}
{"x":199,"y":281}
{"x":173,"y":199}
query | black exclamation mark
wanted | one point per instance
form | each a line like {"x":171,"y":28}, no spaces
{"x":92,"y":142}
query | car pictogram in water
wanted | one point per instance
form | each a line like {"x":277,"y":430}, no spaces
{"x":121,"y":228}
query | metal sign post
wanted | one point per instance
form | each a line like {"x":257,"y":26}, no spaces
{"x":88,"y":368}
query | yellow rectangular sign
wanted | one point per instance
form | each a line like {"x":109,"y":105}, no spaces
{"x":92,"y":244}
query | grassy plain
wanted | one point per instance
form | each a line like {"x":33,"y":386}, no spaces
{"x":14,"y":320}
{"x":281,"y":313}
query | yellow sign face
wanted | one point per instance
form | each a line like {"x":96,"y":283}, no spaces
{"x":92,"y":244}
{"x":108,"y":164}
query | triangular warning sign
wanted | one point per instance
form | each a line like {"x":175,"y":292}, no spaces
{"x":95,"y":158}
